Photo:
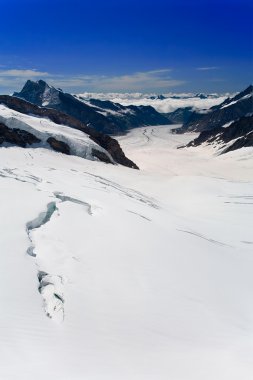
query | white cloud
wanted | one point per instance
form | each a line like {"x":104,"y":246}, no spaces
{"x":207,"y":68}
{"x":22,"y":73}
{"x":153,"y":80}
{"x":139,"y":81}
{"x":13,"y":79}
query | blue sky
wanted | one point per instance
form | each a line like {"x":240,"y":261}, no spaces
{"x":126,"y":45}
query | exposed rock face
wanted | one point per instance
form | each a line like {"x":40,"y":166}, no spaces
{"x":106,"y":142}
{"x":59,"y":146}
{"x":239,"y":134}
{"x":16,"y":136}
{"x":244,"y":141}
{"x":230,"y":110}
{"x":104,"y":116}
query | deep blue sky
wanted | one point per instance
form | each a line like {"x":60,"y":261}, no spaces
{"x":127,"y":45}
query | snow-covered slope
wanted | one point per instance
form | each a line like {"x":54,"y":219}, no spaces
{"x":145,"y":274}
{"x":78,"y":142}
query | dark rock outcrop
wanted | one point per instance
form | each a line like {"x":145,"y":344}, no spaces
{"x":16,"y":136}
{"x":105,"y":141}
{"x":59,"y":146}
{"x":100,"y":155}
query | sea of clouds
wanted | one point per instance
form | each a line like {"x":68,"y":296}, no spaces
{"x":169,"y":104}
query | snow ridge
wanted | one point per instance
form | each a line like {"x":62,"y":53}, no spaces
{"x":79,"y":142}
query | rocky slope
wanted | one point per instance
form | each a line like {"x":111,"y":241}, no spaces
{"x":107,"y":146}
{"x":16,"y":136}
{"x":104,"y":116}
{"x":225,"y":139}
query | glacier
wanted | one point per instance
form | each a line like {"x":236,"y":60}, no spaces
{"x":134,"y":275}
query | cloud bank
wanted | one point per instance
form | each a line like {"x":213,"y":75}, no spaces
{"x":169,"y":104}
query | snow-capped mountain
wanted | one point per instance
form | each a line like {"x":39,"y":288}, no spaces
{"x":230,"y":110}
{"x":118,"y":113}
{"x":52,"y":128}
{"x":225,"y":127}
{"x":106,"y":117}
{"x":176,"y":108}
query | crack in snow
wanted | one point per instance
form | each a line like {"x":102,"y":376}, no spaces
{"x":130,"y":193}
{"x":10,"y":173}
{"x":205,"y":238}
{"x":142,"y":216}
{"x":43,"y":218}
{"x":65,"y":198}
{"x":50,"y":286}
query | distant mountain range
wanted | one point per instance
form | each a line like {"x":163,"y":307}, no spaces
{"x":227,"y":126}
{"x":105,"y":116}
{"x":163,"y":103}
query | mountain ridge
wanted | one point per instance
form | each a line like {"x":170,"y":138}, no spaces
{"x":238,"y":134}
{"x":122,"y":119}
{"x":231,"y":109}
{"x":105,"y":141}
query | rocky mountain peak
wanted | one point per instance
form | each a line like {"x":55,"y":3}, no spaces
{"x":39,"y":93}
